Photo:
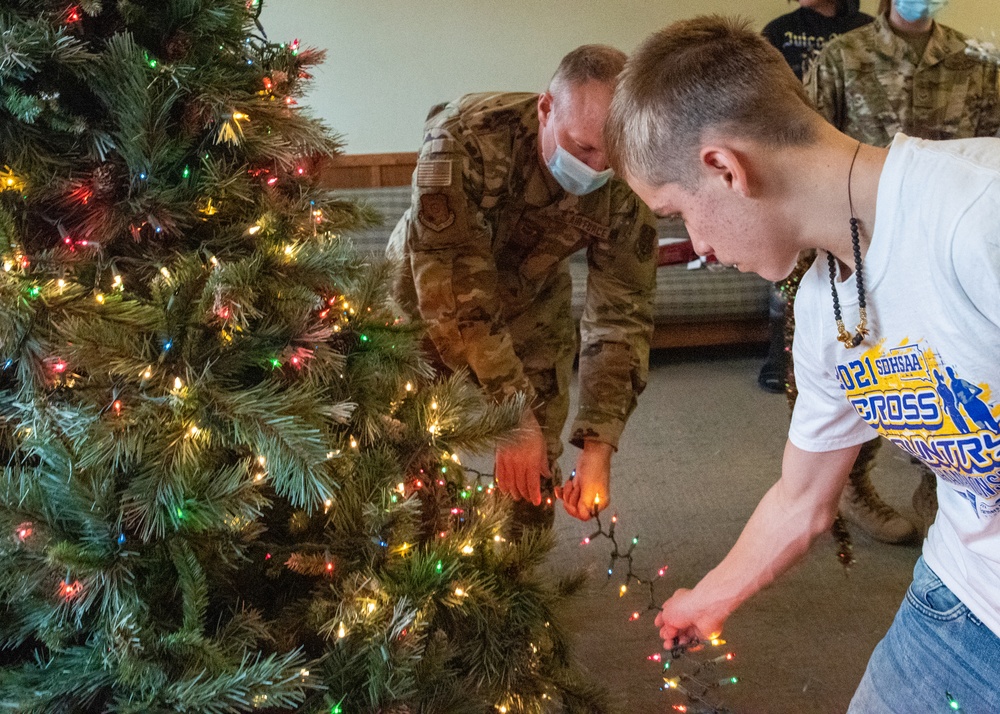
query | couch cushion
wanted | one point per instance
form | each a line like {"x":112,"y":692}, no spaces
{"x":390,"y":202}
{"x":701,"y":295}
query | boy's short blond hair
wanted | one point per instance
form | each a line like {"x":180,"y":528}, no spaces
{"x":696,"y":75}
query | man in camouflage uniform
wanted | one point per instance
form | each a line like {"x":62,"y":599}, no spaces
{"x":902,"y":73}
{"x":483,"y":253}
{"x":900,"y":76}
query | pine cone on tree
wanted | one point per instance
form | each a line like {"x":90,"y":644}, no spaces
{"x":105,"y":180}
{"x":177,"y":47}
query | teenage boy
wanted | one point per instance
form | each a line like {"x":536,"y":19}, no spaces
{"x":898,"y":314}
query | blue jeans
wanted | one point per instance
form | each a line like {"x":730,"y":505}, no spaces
{"x":935,"y":648}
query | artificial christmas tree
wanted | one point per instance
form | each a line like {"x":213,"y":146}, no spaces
{"x":230,"y":480}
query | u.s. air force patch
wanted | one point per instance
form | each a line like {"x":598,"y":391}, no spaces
{"x":433,"y":173}
{"x":591,"y":228}
{"x":435,"y":212}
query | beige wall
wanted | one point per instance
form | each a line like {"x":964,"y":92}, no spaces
{"x":389,"y":60}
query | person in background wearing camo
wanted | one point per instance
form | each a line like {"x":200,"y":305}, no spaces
{"x":507,"y":187}
{"x":903,"y":73}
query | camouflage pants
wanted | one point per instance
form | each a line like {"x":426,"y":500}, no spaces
{"x":545,"y":340}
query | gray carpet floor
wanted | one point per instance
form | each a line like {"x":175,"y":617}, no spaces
{"x":701,"y":449}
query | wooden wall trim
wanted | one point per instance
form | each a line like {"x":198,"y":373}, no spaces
{"x":367,"y":170}
{"x":711,"y":333}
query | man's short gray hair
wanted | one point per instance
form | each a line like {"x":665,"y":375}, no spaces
{"x":588,"y":63}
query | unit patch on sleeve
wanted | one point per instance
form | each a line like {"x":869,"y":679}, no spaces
{"x":433,"y":173}
{"x":645,"y":243}
{"x":435,"y":212}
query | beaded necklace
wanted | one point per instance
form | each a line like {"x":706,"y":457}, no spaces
{"x":844,"y":336}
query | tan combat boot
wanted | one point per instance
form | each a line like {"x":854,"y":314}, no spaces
{"x":861,"y":505}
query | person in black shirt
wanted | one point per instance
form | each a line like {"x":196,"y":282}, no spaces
{"x":800,"y":35}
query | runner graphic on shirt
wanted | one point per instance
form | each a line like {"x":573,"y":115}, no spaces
{"x":933,"y":413}
{"x":968,"y":396}
{"x":949,"y":403}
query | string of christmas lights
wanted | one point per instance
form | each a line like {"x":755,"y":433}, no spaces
{"x":691,"y":658}
{"x":845,"y":547}
{"x":617,"y":554}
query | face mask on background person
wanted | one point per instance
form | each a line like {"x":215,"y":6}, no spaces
{"x":575,"y":176}
{"x":916,"y":10}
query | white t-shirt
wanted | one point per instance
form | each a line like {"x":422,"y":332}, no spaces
{"x":928,"y":376}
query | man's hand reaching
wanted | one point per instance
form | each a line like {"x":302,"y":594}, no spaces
{"x":521,"y":464}
{"x":589,"y":488}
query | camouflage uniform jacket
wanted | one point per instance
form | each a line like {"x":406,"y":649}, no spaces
{"x":870,"y":84}
{"x":489,"y":229}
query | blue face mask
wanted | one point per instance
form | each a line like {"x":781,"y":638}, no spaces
{"x":916,"y":10}
{"x":575,"y":176}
